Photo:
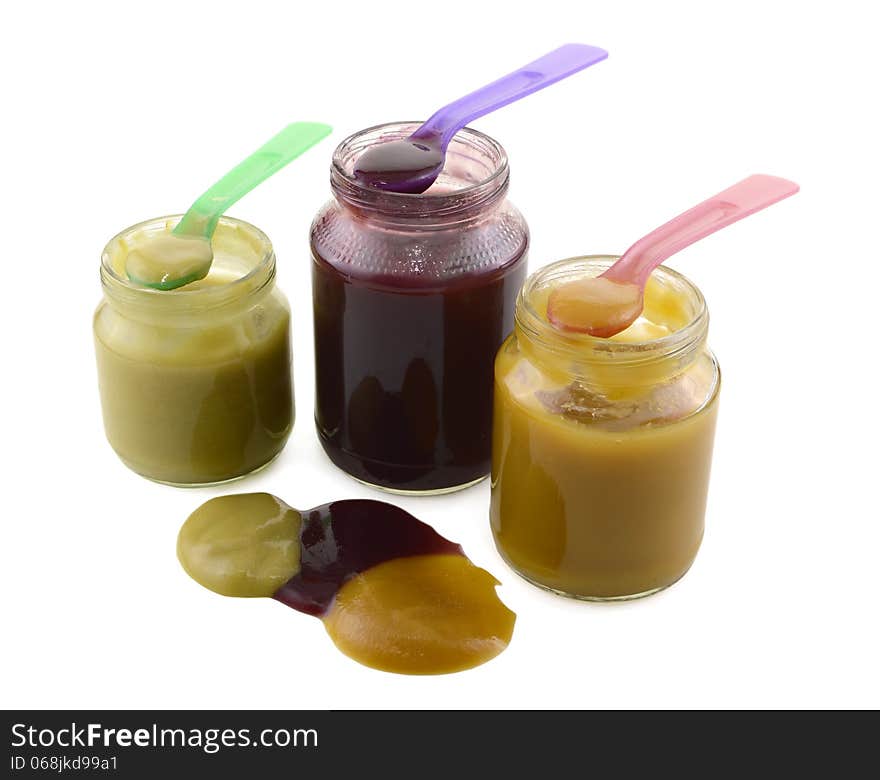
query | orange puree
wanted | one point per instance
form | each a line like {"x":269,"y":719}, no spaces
{"x":429,"y":614}
{"x":602,"y":447}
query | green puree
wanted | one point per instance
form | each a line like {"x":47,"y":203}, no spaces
{"x":241,"y":545}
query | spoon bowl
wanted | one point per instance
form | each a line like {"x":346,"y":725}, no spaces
{"x":169,"y":261}
{"x":598,"y":306}
{"x":408,"y":166}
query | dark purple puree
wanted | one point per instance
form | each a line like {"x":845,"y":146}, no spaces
{"x":404,"y":376}
{"x":410,"y":165}
{"x":343,"y":538}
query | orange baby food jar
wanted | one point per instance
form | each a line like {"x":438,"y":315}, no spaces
{"x":602,"y":447}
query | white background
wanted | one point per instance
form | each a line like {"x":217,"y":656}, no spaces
{"x":118,"y":112}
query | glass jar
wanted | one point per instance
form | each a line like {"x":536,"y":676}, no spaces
{"x":602,"y":447}
{"x":196,"y":382}
{"x":413,"y":295}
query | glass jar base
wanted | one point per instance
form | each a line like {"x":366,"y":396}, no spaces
{"x":403,"y":479}
{"x":416,"y":492}
{"x":200,"y":484}
{"x":595,"y":599}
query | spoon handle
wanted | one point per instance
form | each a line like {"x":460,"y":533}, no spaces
{"x":744,"y":198}
{"x":290,"y":143}
{"x":543,"y":72}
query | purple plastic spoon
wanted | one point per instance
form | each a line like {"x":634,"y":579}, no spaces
{"x":412,"y":164}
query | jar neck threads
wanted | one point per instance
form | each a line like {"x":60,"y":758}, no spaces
{"x":610,"y":363}
{"x":473,"y":181}
{"x":242,"y":272}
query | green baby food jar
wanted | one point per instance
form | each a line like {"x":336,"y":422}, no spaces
{"x":195,"y":383}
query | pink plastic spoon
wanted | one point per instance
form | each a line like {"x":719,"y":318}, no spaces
{"x":610,"y":303}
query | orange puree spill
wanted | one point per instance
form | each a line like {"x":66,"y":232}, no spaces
{"x":411,"y":615}
{"x":393,"y":594}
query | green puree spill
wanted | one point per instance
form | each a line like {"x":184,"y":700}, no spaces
{"x":392,"y":593}
{"x":245,"y":545}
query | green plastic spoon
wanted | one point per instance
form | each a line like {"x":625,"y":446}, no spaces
{"x":185,"y":255}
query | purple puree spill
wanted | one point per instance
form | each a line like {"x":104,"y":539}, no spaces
{"x":344,"y":538}
{"x":408,"y":166}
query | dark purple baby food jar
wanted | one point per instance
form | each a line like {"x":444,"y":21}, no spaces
{"x":413,"y":295}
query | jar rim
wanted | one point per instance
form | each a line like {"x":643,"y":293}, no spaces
{"x":424,"y":204}
{"x":585,"y":348}
{"x":250,"y":282}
